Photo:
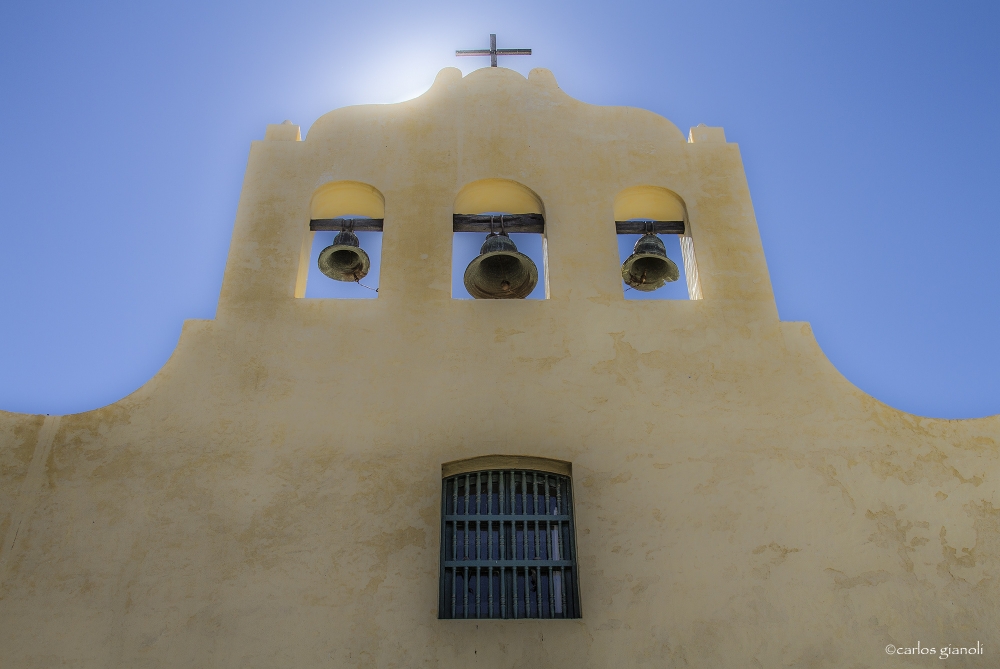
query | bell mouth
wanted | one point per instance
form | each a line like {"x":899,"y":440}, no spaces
{"x":501,"y":275}
{"x":344,"y":262}
{"x":648,"y":271}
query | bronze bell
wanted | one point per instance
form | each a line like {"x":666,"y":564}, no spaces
{"x":344,"y":260}
{"x":500,"y":272}
{"x":649,"y":268}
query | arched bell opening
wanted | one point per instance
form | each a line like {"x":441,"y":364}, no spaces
{"x":498,"y":246}
{"x":344,"y":242}
{"x":655,"y":245}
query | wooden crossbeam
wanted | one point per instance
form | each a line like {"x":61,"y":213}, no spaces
{"x":642,"y":227}
{"x":511,"y":223}
{"x":338,"y":224}
{"x":481,"y":223}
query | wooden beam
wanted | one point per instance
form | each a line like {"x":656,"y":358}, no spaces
{"x":641,"y":227}
{"x":338,"y":224}
{"x":480,"y":223}
{"x":511,"y":223}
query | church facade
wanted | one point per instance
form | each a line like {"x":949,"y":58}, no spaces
{"x":292,"y":488}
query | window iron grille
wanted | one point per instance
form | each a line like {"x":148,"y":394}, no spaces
{"x":507,"y":546}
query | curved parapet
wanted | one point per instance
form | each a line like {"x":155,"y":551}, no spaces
{"x":540,"y":86}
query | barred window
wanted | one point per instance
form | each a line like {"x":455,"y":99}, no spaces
{"x":507,"y":540}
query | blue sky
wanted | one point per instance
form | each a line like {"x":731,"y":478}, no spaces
{"x":868,"y":130}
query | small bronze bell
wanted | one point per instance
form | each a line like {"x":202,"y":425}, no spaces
{"x":344,"y":260}
{"x":500,"y":272}
{"x":649,"y":268}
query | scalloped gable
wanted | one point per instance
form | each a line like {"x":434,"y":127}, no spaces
{"x":506,"y":94}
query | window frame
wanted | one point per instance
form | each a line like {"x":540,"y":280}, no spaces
{"x":530,"y":560}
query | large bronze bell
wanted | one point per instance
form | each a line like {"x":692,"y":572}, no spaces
{"x":649,"y":268}
{"x":500,"y":272}
{"x":344,"y":260}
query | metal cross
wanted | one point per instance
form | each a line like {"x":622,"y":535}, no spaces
{"x":493,"y":51}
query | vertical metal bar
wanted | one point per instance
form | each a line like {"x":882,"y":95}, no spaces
{"x":524,"y":493}
{"x":479,"y":493}
{"x":547,"y":540}
{"x":537,"y":555}
{"x":503,"y":591}
{"x":534,"y":491}
{"x":503,"y":530}
{"x":545,"y":493}
{"x":466,"y":508}
{"x":465,"y":534}
{"x":454,"y":585}
{"x":552,"y":595}
{"x":562,"y":589}
{"x":559,"y":495}
{"x":479,"y":586}
{"x":489,"y":583}
{"x":525,"y":479}
{"x":454,"y":501}
{"x":503,"y":509}
{"x":524,"y":485}
{"x":465,"y":594}
{"x":513,"y":499}
{"x":527,"y":592}
{"x":514,"y":476}
{"x":514,"y":599}
{"x":479,"y":553}
{"x":538,"y":590}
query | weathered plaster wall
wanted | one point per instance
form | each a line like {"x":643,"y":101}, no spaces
{"x":271,"y":498}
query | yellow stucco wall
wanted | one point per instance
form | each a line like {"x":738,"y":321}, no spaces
{"x":272,"y":497}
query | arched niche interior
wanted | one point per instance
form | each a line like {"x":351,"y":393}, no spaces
{"x":662,"y":211}
{"x":505,"y":205}
{"x":347,"y":205}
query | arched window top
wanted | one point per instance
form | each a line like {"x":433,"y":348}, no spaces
{"x":346,"y":198}
{"x":497,"y":195}
{"x":651,"y":203}
{"x":484,"y":462}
